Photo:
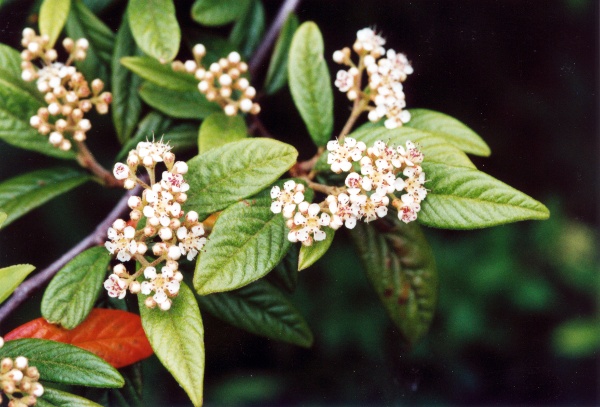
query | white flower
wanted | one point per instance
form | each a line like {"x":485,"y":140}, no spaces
{"x":341,"y":211}
{"x":165,"y":285}
{"x":367,"y":41}
{"x":370,"y":208}
{"x":152,"y":152}
{"x":191,"y":241}
{"x":121,"y":241}
{"x":345,"y":80}
{"x":407,"y":212}
{"x":116,"y":286}
{"x":341,"y":156}
{"x":174,"y":182}
{"x":287,"y":199}
{"x":121,"y":171}
{"x":161,"y":207}
{"x":306,"y":225}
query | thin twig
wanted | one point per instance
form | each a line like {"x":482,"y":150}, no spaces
{"x":87,"y":160}
{"x":95,"y":238}
{"x":286,"y":8}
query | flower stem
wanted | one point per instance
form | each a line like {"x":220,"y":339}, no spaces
{"x":87,"y":160}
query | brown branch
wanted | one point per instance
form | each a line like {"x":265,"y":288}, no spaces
{"x":95,"y":238}
{"x":87,"y":160}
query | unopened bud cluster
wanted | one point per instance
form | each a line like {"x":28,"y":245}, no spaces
{"x":66,"y":91}
{"x":222,"y":82}
{"x":19,"y":381}
{"x":168,"y":234}
{"x":386,"y":72}
{"x":384,"y":172}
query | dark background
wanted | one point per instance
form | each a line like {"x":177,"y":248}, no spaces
{"x":517,"y":321}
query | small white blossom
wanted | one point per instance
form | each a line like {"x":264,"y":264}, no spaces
{"x":342,"y":155}
{"x":116,"y":286}
{"x":367,"y":41}
{"x":121,"y":241}
{"x":286,"y":200}
{"x":191,"y":241}
{"x":165,"y":285}
{"x":306,"y":224}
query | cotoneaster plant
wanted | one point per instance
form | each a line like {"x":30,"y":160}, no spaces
{"x":201,"y":235}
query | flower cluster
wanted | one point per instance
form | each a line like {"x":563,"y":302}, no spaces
{"x":222,"y":82}
{"x":169,"y":231}
{"x":384,"y":172}
{"x":66,"y":91}
{"x":19,"y":381}
{"x":385,"y":77}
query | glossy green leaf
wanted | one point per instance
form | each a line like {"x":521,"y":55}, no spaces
{"x":10,"y":72}
{"x":3,"y":217}
{"x":59,"y":398}
{"x":218,"y":12}
{"x":219,"y":129}
{"x":189,"y":104}
{"x":53,"y":16}
{"x":155,"y":28}
{"x":248,"y":30}
{"x":235,"y":171}
{"x":464,"y":198}
{"x":62,"y":363}
{"x":400,"y":265}
{"x":11,"y":277}
{"x":25,"y":192}
{"x":310,"y":83}
{"x":152,"y":125}
{"x":73,"y":291}
{"x":450,"y":129}
{"x":277,"y":75}
{"x":19,"y":101}
{"x":177,"y":337}
{"x":82,"y":23}
{"x":310,"y":254}
{"x":261,"y":309}
{"x":159,"y":74}
{"x":127,"y":105}
{"x":247,"y":241}
{"x":435,"y":149}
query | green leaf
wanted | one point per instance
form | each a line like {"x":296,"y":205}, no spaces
{"x":285,"y":274}
{"x":155,"y":28}
{"x":261,"y":309}
{"x":219,"y":129}
{"x":152,"y":125}
{"x":82,"y":23}
{"x":25,"y":192}
{"x":177,"y":337}
{"x":235,"y":171}
{"x":53,"y":16}
{"x":248,"y":30}
{"x":277,"y":74}
{"x":3,"y":217}
{"x":59,"y":398}
{"x":126,"y":105}
{"x":400,"y":265}
{"x":19,"y":101}
{"x":450,"y":129}
{"x":189,"y":104}
{"x":247,"y":241}
{"x":218,"y":12}
{"x":310,"y":83}
{"x":182,"y":137}
{"x":98,"y":6}
{"x":62,"y":363}
{"x":434,"y":148}
{"x":11,"y":277}
{"x":159,"y":74}
{"x":310,"y":254}
{"x":464,"y":198}
{"x":72,"y":293}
